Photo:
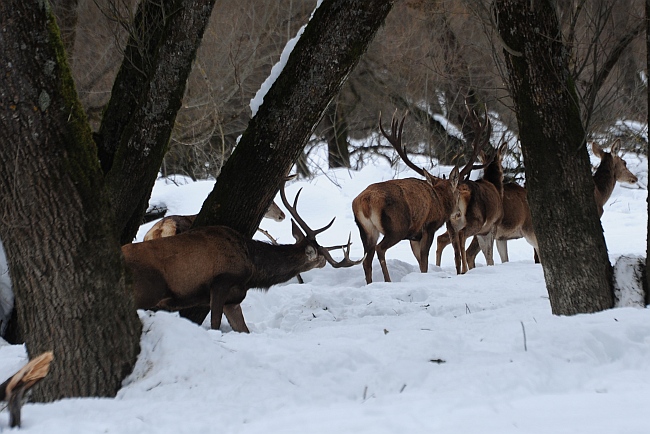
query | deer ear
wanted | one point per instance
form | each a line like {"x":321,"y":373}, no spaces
{"x":296,"y":232}
{"x":431,"y":180}
{"x":597,"y":151}
{"x":453,"y":177}
{"x":616,"y":147}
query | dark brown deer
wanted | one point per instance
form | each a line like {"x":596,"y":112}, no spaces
{"x":176,"y":224}
{"x":404,"y":209}
{"x":215,"y":266}
{"x":481,"y":204}
{"x":517,"y":221}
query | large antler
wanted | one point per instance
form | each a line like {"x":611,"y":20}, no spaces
{"x":395,"y":139}
{"x":311,"y":233}
{"x":482,"y":133}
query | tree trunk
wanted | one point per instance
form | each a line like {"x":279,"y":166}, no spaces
{"x":330,"y":47}
{"x":558,"y":175}
{"x":146,"y":97}
{"x":647,"y":254}
{"x":336,"y":133}
{"x":65,"y":263}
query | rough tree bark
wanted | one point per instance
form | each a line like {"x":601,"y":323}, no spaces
{"x":558,"y":175}
{"x":64,"y":259}
{"x":146,"y":97}
{"x":647,"y":255}
{"x":330,"y":47}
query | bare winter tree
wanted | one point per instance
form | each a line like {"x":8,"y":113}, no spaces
{"x":558,"y":176}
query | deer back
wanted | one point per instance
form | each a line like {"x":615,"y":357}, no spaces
{"x":403,"y":207}
{"x":182,"y":265}
{"x":176,"y":224}
{"x":517,"y":221}
{"x":185,"y":266}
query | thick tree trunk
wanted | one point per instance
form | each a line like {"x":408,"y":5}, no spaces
{"x":558,"y":177}
{"x":330,"y":47}
{"x":65,"y":263}
{"x":146,"y":97}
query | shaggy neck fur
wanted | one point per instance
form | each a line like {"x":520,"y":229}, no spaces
{"x":273,"y":264}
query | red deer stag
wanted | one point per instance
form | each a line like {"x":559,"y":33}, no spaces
{"x":481,"y":203}
{"x":403,"y":209}
{"x":517,"y":221}
{"x":176,"y":224}
{"x":216,"y":266}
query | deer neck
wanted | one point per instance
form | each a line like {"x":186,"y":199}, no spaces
{"x":604,"y":180}
{"x":446,"y":197}
{"x":494,"y":174}
{"x":273,"y":264}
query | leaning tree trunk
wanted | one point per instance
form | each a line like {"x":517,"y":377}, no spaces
{"x":330,"y":47}
{"x":65,"y":262}
{"x":146,"y":97}
{"x":558,"y":175}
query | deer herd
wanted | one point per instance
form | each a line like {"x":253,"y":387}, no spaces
{"x":178,"y":267}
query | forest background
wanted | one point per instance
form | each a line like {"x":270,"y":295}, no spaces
{"x":426,"y":58}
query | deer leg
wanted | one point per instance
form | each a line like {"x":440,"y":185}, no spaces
{"x":369,"y":241}
{"x":487,"y":246}
{"x":455,"y":243}
{"x":502,"y":248}
{"x":423,"y":259}
{"x":217,"y":296}
{"x":461,"y":246}
{"x":472,"y":251}
{"x":386,"y":243}
{"x":367,"y":264}
{"x":442,"y":242}
{"x":235,"y":317}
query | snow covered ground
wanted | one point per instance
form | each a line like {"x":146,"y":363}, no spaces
{"x":428,"y":353}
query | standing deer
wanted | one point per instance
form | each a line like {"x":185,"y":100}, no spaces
{"x":405,"y":209}
{"x":175,"y":224}
{"x":481,"y":204}
{"x":611,"y":169}
{"x":216,"y":266}
{"x":517,"y":221}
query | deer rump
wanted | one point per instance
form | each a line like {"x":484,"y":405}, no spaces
{"x":176,"y":224}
